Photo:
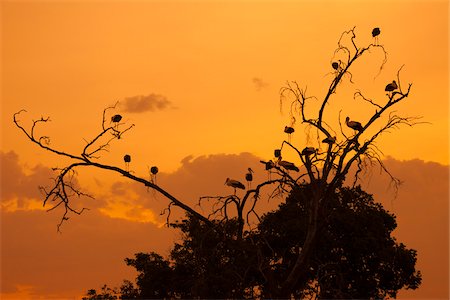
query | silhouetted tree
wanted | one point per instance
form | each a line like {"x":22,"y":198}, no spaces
{"x":355,"y":257}
{"x":322,"y":166}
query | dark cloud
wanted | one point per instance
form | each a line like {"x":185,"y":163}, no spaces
{"x":259,"y":83}
{"x":142,"y":103}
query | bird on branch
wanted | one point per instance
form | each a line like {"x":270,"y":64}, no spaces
{"x":335,"y":65}
{"x":277,"y":152}
{"x":288,"y":165}
{"x":269,"y":165}
{"x":235,"y":184}
{"x":115,"y":120}
{"x":308,"y":151}
{"x":249,"y":177}
{"x":375,"y":33}
{"x":391,"y":86}
{"x":353,"y":124}
{"x":329,"y":140}
{"x":127,"y":160}
{"x":153,"y":170}
{"x":289,"y":130}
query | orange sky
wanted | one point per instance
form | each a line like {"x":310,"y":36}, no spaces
{"x":216,"y":69}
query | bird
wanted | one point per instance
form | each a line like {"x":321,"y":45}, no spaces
{"x":116,"y":118}
{"x":249,"y":177}
{"x":391,"y":86}
{"x":329,"y":140}
{"x":277,"y":152}
{"x":308,"y":151}
{"x":234,"y":184}
{"x":153,"y":171}
{"x":353,"y":124}
{"x":335,"y":65}
{"x":269,"y":165}
{"x":288,"y":165}
{"x":375,"y":33}
{"x":289,"y":130}
{"x":127,"y":160}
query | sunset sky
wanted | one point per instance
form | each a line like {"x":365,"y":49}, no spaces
{"x":201,"y":80}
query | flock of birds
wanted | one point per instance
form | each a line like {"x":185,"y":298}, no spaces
{"x":289,"y":166}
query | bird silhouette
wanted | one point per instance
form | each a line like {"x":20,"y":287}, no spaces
{"x":288,"y":165}
{"x":153,"y":171}
{"x":269,"y":165}
{"x":375,"y":33}
{"x":308,"y":151}
{"x":289,"y":130}
{"x":277,"y":152}
{"x":235,"y":184}
{"x":127,"y":160}
{"x":353,"y":124}
{"x":249,"y":177}
{"x":391,"y":86}
{"x":335,"y":65}
{"x":116,"y":118}
{"x":329,"y":140}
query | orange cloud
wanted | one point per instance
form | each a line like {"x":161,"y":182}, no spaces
{"x":91,"y":250}
{"x":141,"y":103}
{"x":19,"y":190}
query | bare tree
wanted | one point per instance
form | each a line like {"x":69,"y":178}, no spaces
{"x":352,"y":144}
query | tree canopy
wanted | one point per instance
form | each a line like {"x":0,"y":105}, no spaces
{"x":355,"y":256}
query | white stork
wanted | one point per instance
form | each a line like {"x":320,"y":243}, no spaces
{"x":353,"y":124}
{"x":235,"y":184}
{"x":391,"y":86}
{"x":329,"y":140}
{"x":249,"y":177}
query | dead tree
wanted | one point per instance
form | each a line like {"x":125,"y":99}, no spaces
{"x":323,"y":165}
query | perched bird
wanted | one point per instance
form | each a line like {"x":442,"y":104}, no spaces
{"x":308,"y":151}
{"x":153,"y":170}
{"x":277,"y":152}
{"x":249,"y":177}
{"x":269,"y":166}
{"x":375,"y":33}
{"x":289,"y":131}
{"x":335,"y":65}
{"x":116,"y":118}
{"x":353,"y":124}
{"x":391,"y":86}
{"x":288,"y":165}
{"x":234,"y":184}
{"x":329,"y":140}
{"x":127,"y":160}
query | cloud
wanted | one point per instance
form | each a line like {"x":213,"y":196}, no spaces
{"x":19,"y":186}
{"x":91,"y":250}
{"x":259,"y":83}
{"x":142,"y":103}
